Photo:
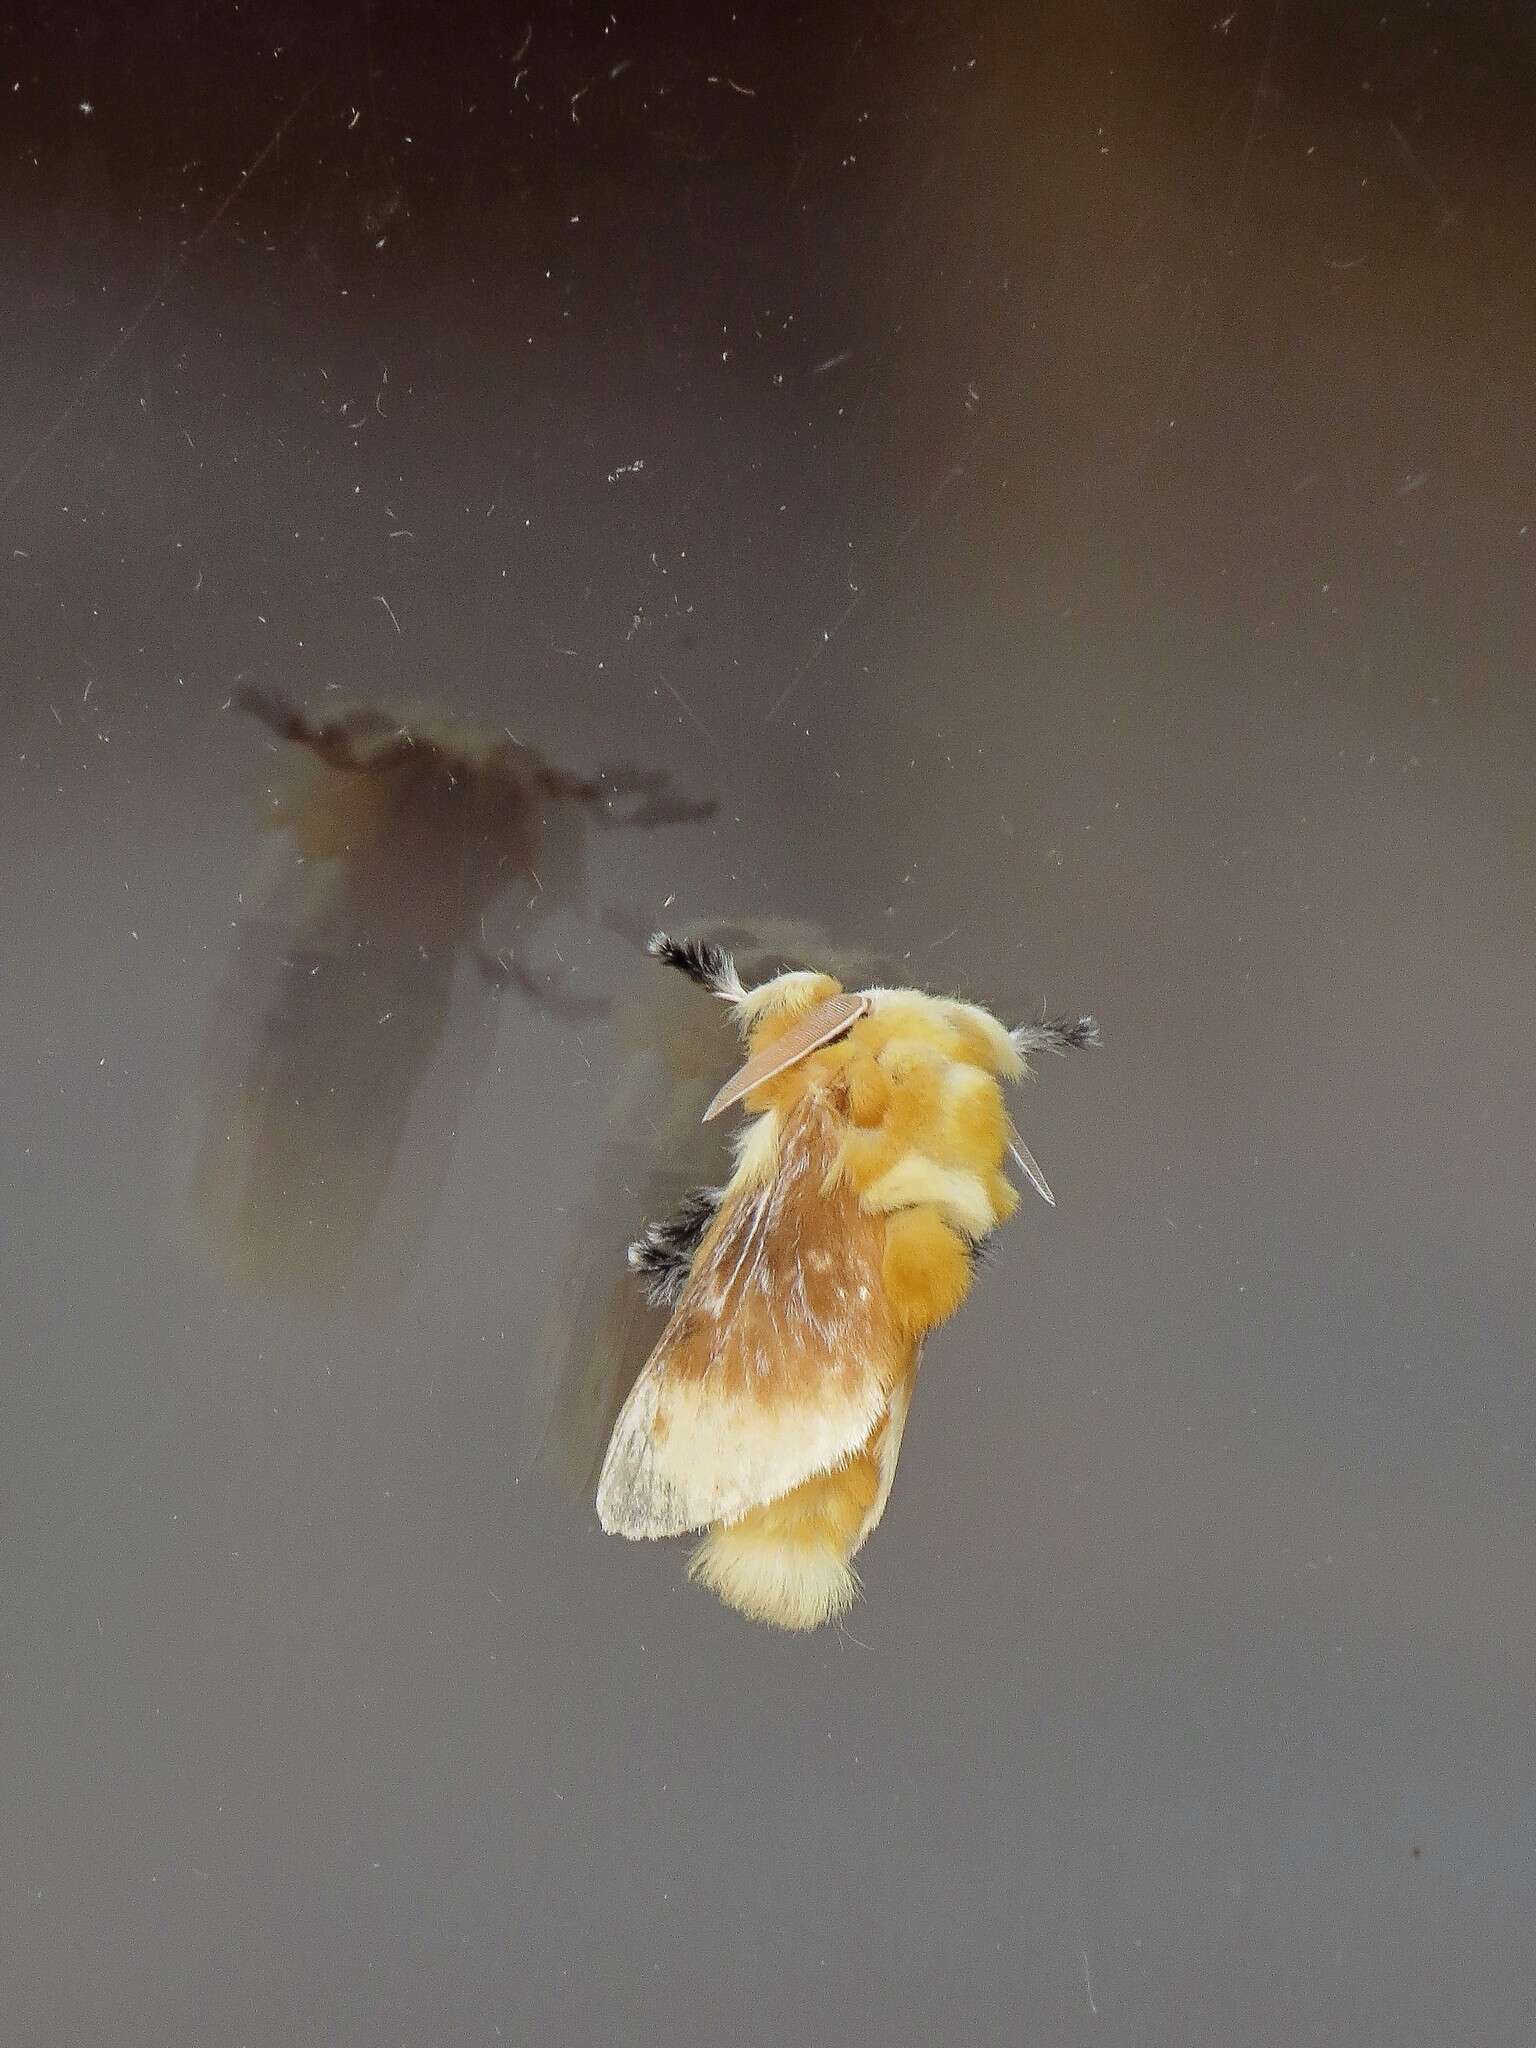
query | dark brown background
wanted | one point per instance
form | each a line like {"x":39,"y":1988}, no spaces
{"x":1084,"y":541}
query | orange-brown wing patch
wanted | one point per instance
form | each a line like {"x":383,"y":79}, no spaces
{"x":779,"y":1359}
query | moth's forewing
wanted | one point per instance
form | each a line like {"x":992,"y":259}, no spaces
{"x":778,"y":1360}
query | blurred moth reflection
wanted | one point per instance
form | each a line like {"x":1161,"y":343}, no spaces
{"x":676,"y":1046}
{"x":361,"y":996}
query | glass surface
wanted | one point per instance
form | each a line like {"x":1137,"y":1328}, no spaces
{"x":1056,"y":479}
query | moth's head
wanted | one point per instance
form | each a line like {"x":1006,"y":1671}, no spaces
{"x":787,"y":1022}
{"x":767,"y":1011}
{"x":802,"y":1028}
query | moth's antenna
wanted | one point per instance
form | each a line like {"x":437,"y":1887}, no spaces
{"x":710,"y":966}
{"x":1058,"y":1037}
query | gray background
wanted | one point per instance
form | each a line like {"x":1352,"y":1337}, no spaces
{"x":1084,"y":542}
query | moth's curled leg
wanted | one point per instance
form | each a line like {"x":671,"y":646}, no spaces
{"x":927,"y":1269}
{"x":663,"y":1252}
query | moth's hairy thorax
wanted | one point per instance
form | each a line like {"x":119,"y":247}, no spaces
{"x":911,"y":1102}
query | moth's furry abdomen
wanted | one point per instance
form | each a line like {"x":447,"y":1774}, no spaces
{"x":788,"y":1563}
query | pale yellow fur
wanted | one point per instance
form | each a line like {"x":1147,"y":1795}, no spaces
{"x":785,"y":995}
{"x":788,"y":1585}
{"x":757,"y":1152}
{"x":960,"y":1197}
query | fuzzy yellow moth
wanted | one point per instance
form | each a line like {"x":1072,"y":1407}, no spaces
{"x":770,"y":1414}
